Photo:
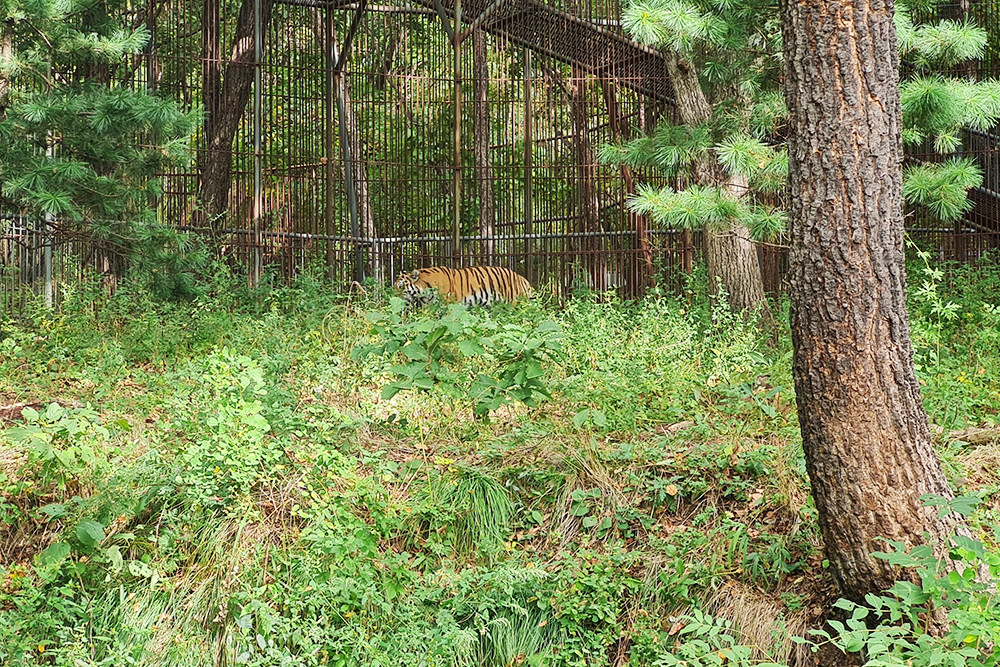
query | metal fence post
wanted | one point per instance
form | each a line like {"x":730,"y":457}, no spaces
{"x":457,"y":213}
{"x":258,"y":204}
{"x":49,"y":287}
{"x":528,"y":168}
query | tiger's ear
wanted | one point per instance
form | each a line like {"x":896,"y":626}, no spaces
{"x":415,"y":274}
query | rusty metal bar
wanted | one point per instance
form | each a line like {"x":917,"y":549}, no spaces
{"x":351,"y":5}
{"x":508,"y":29}
{"x":443,"y":14}
{"x":339,"y":82}
{"x":47,"y":285}
{"x":590,"y":25}
{"x":457,"y":176}
{"x":391,"y":240}
{"x":345,"y":140}
{"x":257,"y":267}
{"x":316,"y":4}
{"x":481,"y":19}
{"x":345,"y":52}
{"x":329,"y":110}
{"x":149,"y":51}
{"x":352,"y":193}
{"x":528,"y":160}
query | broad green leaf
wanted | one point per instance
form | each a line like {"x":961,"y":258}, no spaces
{"x":90,"y":533}
{"x":54,"y":553}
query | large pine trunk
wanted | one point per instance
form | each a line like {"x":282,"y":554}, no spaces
{"x":731,"y":260}
{"x":864,"y":431}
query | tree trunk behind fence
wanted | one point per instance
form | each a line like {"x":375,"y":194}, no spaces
{"x":366,"y":221}
{"x":731,"y":256}
{"x":226,"y":98}
{"x":484,"y":162}
{"x":586,"y":181}
{"x":6,"y":53}
{"x":643,"y":275}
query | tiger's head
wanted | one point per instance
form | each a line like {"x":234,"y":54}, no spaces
{"x":413,"y":290}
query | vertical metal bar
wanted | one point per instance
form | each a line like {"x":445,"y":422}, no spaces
{"x":339,"y":83}
{"x":352,"y":195}
{"x":257,"y":268}
{"x":528,"y":167}
{"x":150,"y":54}
{"x":49,"y":288}
{"x":349,"y":39}
{"x":457,"y":176}
{"x":331,"y":59}
{"x":150,"y":49}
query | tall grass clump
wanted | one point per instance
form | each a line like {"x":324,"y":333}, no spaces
{"x":469,"y":509}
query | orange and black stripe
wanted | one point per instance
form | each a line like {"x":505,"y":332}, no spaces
{"x":477,"y":285}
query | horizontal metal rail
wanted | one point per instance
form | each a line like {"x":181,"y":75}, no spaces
{"x":390,"y":240}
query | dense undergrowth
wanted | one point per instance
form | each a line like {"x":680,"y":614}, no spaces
{"x":295,"y":477}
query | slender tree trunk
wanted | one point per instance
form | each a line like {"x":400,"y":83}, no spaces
{"x":483,"y":159}
{"x":586,"y":180}
{"x":730,"y":255}
{"x":394,"y":37}
{"x":211,"y":65}
{"x":6,"y":53}
{"x":226,"y":98}
{"x":366,"y":221}
{"x":359,"y":165}
{"x":864,"y":431}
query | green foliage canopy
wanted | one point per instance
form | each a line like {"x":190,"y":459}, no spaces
{"x":735,"y":45}
{"x":81,"y":139}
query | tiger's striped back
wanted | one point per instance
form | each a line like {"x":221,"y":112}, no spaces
{"x":473,"y":286}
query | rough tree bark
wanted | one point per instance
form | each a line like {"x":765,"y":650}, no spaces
{"x":730,"y":255}
{"x":484,"y":162}
{"x":866,"y":439}
{"x":226,"y":96}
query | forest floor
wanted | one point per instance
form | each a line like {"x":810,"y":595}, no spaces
{"x":295,"y":477}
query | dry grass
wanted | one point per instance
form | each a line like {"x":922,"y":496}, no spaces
{"x":762,"y":625}
{"x":982,"y":465}
{"x":11,"y":461}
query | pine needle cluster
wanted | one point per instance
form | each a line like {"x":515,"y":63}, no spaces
{"x":731,"y":43}
{"x":82,"y":140}
{"x":736,"y":46}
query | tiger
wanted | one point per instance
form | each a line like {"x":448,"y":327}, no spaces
{"x":474,"y":286}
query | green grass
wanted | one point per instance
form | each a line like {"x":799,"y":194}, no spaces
{"x":230,"y":482}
